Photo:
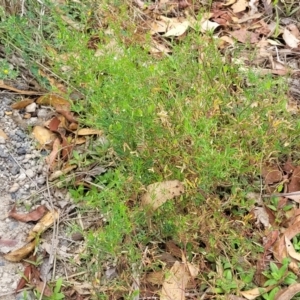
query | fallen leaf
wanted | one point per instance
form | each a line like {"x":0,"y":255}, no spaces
{"x":290,"y":39}
{"x":177,"y":29}
{"x":73,"y":126}
{"x":261,"y":216}
{"x":62,"y":172}
{"x":24,"y":279}
{"x":56,"y":101}
{"x":245,"y":36}
{"x":290,"y":292}
{"x":294,"y":184}
{"x":254,"y":293}
{"x":3,"y":134}
{"x":239,"y":6}
{"x":54,"y":153}
{"x":158,"y":26}
{"x":79,"y":141}
{"x":158,"y":193}
{"x":34,"y":215}
{"x":68,"y":115}
{"x":295,"y":196}
{"x":203,"y":25}
{"x":20,"y":253}
{"x":291,"y":250}
{"x":271,"y":174}
{"x":53,"y":124}
{"x":89,"y":131}
{"x":21,"y":104}
{"x":175,"y":283}
{"x":66,"y":148}
{"x":44,"y":136}
{"x":155,"y":277}
{"x":44,"y":223}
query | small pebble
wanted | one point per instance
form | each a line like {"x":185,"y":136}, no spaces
{"x":31,"y":108}
{"x":14,"y":188}
{"x":29,"y":173}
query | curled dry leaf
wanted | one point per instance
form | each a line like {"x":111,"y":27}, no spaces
{"x":34,"y":215}
{"x":44,"y":136}
{"x":68,"y":115}
{"x":89,"y":131}
{"x":177,"y":29}
{"x":20,"y":253}
{"x":44,"y":223}
{"x":21,"y":104}
{"x":54,"y":153}
{"x":291,"y":250}
{"x":56,"y":101}
{"x":158,"y":193}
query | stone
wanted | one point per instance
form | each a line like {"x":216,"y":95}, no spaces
{"x":31,"y":108}
{"x":15,"y":187}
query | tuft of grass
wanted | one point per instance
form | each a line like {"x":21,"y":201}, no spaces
{"x":192,"y":116}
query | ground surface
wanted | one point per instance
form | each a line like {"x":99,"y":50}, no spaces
{"x":190,"y":123}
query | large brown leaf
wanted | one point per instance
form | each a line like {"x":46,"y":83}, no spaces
{"x":34,"y":215}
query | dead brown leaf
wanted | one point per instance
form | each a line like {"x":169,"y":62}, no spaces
{"x":245,"y":36}
{"x":289,"y":292}
{"x":56,"y":101}
{"x":21,"y":104}
{"x":158,"y":193}
{"x":290,"y":39}
{"x":20,"y":253}
{"x":271,"y":174}
{"x":68,"y":115}
{"x":239,"y":6}
{"x":44,"y":136}
{"x":3,"y":134}
{"x":294,"y":184}
{"x":155,"y":277}
{"x":25,"y":278}
{"x":54,"y":153}
{"x":34,"y":215}
{"x":175,"y":283}
{"x":89,"y":131}
{"x":44,"y":223}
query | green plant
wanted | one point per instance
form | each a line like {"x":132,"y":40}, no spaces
{"x":57,"y":294}
{"x":277,"y":277}
{"x":7,"y":71}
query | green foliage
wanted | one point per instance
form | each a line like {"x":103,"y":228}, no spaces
{"x":278,"y":276}
{"x":57,"y":294}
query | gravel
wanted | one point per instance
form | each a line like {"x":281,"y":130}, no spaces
{"x":22,"y":171}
